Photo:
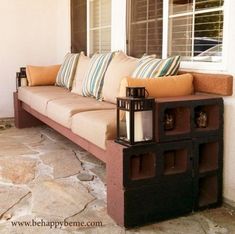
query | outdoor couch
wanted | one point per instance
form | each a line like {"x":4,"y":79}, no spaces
{"x":91,"y":124}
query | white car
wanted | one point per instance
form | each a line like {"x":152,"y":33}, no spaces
{"x":214,"y":54}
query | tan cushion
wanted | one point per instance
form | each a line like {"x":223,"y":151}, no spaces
{"x":42,"y":75}
{"x":120,"y":67}
{"x":38,"y":97}
{"x":62,"y":110}
{"x":82,"y":68}
{"x":25,"y":92}
{"x":169,"y":86}
{"x":95,"y":126}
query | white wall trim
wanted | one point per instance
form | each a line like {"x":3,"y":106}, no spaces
{"x":118,"y":29}
{"x":165,"y":26}
{"x":88,"y":27}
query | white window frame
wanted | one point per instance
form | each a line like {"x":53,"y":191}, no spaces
{"x":96,"y":28}
{"x":197,"y":65}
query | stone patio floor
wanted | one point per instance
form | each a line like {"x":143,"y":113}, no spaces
{"x":46,"y":178}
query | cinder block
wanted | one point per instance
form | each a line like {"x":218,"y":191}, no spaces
{"x":208,"y":171}
{"x":213,"y":110}
{"x":208,"y":191}
{"x":192,"y":116}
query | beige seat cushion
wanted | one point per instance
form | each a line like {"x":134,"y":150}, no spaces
{"x":95,"y":126}
{"x":81,"y":71}
{"x":62,"y":110}
{"x":120,"y":67}
{"x":38,"y":97}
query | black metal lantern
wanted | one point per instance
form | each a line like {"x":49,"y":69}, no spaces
{"x":21,"y":78}
{"x":18,"y":80}
{"x":135,"y":117}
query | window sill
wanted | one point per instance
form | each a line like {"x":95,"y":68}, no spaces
{"x":207,"y":67}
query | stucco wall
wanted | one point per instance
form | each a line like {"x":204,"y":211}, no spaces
{"x":229,"y":105}
{"x":32,"y":32}
{"x":229,"y":150}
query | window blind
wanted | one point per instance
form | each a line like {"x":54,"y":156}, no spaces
{"x":194,"y":29}
{"x":145,"y":27}
{"x":100,"y":26}
{"x":78,"y":26}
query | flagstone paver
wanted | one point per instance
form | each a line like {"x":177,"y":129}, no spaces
{"x":44,"y":177}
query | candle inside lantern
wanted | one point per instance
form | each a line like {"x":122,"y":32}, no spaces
{"x":138,"y":129}
{"x":23,"y":82}
{"x":142,"y":126}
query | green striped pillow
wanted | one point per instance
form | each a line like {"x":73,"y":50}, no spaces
{"x":150,"y":67}
{"x":67,"y":70}
{"x":93,"y":82}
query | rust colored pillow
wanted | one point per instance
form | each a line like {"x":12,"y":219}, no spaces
{"x":42,"y":75}
{"x":168,"y":86}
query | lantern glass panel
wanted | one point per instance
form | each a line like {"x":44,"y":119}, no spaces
{"x":143,"y":128}
{"x":135,"y":119}
{"x":147,"y":125}
{"x":122,"y":125}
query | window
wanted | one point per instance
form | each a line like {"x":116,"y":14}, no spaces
{"x":145,"y":22}
{"x":196,"y":29}
{"x":190,"y":28}
{"x":99,"y":27}
{"x":78,"y":26}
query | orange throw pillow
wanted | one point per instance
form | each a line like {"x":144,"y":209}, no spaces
{"x":168,"y":86}
{"x":42,"y":75}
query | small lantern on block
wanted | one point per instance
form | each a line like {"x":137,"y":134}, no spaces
{"x":135,"y":117}
{"x":21,"y":78}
